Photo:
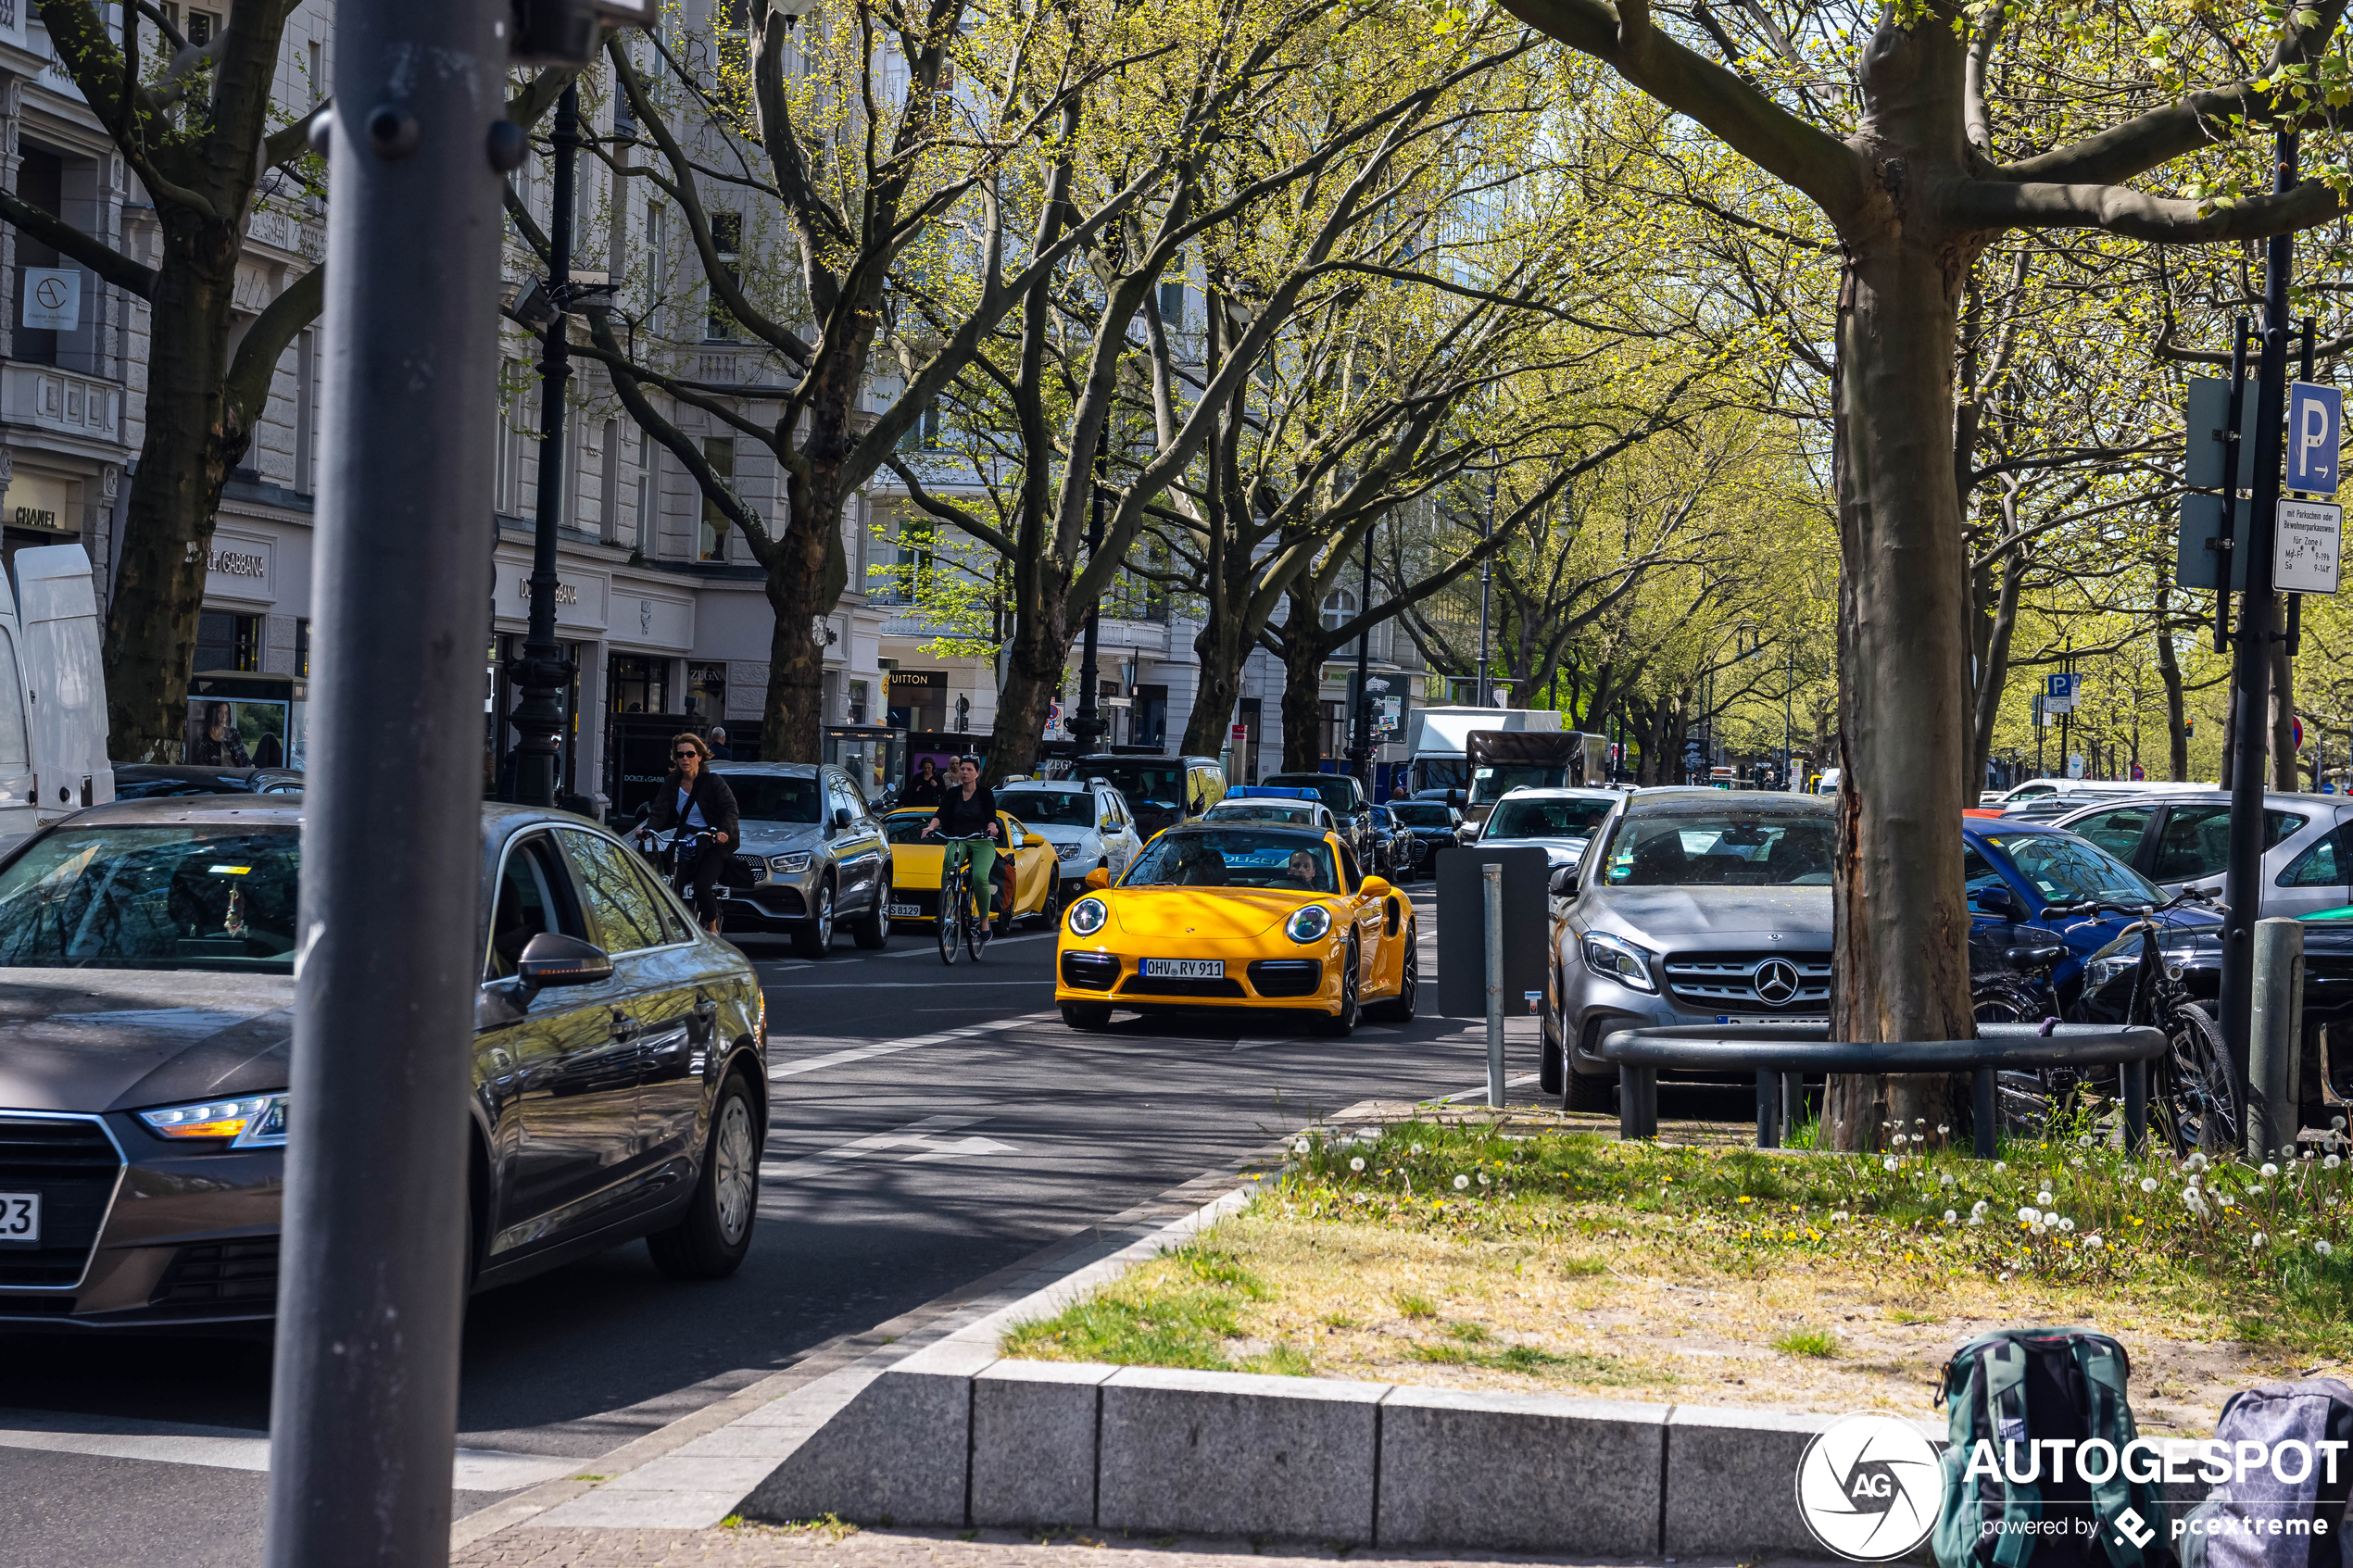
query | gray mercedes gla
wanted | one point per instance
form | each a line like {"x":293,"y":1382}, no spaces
{"x":146,"y":1017}
{"x":816,"y":857}
{"x":1693,"y":906}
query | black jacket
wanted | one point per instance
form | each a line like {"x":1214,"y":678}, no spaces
{"x":716,"y":800}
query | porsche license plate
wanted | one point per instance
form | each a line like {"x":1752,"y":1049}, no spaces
{"x":20,"y":1219}
{"x":906,"y":911}
{"x":1186,"y":968}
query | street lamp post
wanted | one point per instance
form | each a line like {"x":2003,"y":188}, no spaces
{"x":371,"y":1301}
{"x":543,"y":674}
{"x":1361,"y":751}
{"x":1486,"y":586}
{"x":1087,"y":724}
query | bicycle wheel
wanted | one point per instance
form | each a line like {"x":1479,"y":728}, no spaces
{"x":2195,"y":1097}
{"x":975,"y":929}
{"x":950,"y":914}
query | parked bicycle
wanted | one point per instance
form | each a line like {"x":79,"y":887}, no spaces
{"x":2189,"y":1096}
{"x":960,"y":920}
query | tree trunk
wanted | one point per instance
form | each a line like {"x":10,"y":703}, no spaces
{"x":2169,"y":670}
{"x":1303,"y":652}
{"x":805,"y":580}
{"x":1901,"y":918}
{"x":2284,"y":761}
{"x":1992,"y":674}
{"x":186,"y":456}
{"x":1222,"y":651}
{"x":1036,"y":666}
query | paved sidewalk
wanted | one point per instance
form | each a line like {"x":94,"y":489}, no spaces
{"x":754,"y":1545}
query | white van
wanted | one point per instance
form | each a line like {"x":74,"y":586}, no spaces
{"x":52,"y":692}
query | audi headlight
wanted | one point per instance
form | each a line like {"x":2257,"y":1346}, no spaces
{"x":254,"y":1121}
{"x":1069,"y":851}
{"x":795,"y":862}
{"x":1309,"y":923}
{"x":1614,"y":959}
{"x":2099,"y":972}
{"x":1088,"y":916}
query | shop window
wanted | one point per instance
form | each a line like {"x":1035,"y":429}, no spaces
{"x":227,"y":641}
{"x":707,"y":692}
{"x":1335,"y":729}
{"x":719,"y":451}
{"x":302,"y":648}
{"x":639,"y":684}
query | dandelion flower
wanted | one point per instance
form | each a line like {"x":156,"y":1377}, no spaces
{"x":2331,"y":1202}
{"x":2001,"y":1165}
{"x":2027,"y":1215}
{"x":1483,"y":1181}
{"x":2323,"y":1248}
{"x":1416,"y":1148}
{"x":2042,"y":1198}
{"x":2039,"y":1228}
{"x":2269,"y":1171}
{"x":1951,"y":1215}
{"x":2093,"y":1242}
{"x":2196,"y":1161}
{"x":2331,"y":1162}
{"x":1299,"y":1145}
{"x":2259,"y":1240}
{"x":2194,"y":1201}
{"x":2077,"y":1162}
{"x":1356,"y":1163}
{"x":2065,"y":1226}
{"x":1888,"y":1164}
{"x":1838,"y":1217}
{"x":2085,"y":1142}
{"x":2148,"y":1183}
{"x":1977,"y":1210}
{"x":1946,"y":1179}
{"x":1943,"y":1130}
{"x":1976,"y":1218}
{"x":2257,"y":1191}
{"x":1461,"y":1182}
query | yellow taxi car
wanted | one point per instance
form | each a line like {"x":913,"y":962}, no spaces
{"x":1241,"y":915}
{"x":914,"y":869}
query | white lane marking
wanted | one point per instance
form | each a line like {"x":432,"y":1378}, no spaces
{"x":221,"y":1447}
{"x":962,"y":1148}
{"x":915,"y":1133}
{"x":1361,"y":1030}
{"x":1474,"y":1094}
{"x":886,"y":1047}
{"x":1261,"y":1045}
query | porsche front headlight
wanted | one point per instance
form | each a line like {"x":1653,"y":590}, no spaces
{"x":1309,"y":923}
{"x":1088,"y":916}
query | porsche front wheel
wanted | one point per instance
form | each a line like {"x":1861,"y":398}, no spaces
{"x":1089,"y":1016}
{"x":1344,"y":1022}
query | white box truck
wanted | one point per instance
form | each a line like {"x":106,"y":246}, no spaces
{"x":1436,"y":740}
{"x":52,"y":692}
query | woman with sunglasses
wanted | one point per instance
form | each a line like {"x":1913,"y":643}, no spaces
{"x":694,"y":797}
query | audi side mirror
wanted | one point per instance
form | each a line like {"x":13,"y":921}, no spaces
{"x":553,"y":959}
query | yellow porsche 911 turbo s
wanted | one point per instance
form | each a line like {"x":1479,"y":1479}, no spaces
{"x":1242,"y":916}
{"x":1028,"y":879}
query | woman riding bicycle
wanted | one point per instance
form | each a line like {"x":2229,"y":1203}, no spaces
{"x":696,"y":799}
{"x":967,"y":817}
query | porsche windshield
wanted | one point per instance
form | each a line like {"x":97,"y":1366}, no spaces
{"x":1235,"y":858}
{"x":153,"y":897}
{"x":1720,"y":850}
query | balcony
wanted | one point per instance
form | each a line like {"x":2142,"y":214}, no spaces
{"x":63,"y":402}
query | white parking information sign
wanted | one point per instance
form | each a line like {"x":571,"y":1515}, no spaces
{"x":2304,"y":547}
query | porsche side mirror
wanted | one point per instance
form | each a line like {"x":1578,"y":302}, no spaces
{"x":1374,"y":888}
{"x":1099,"y":877}
{"x":553,"y":959}
{"x":1032,"y":841}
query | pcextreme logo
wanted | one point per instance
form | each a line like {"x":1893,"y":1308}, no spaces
{"x":1869,"y":1487}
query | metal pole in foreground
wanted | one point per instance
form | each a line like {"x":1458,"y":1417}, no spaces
{"x":364,"y":1401}
{"x":2251,"y":661}
{"x":1491,"y":891}
{"x":1486,"y":590}
{"x":1086,"y":724}
{"x":543,"y":674}
{"x":2275,"y":1037}
{"x":1361,"y":748}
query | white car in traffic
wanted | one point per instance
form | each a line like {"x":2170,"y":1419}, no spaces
{"x":1085,"y":820}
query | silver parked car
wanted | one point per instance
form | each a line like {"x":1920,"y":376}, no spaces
{"x":815,"y":853}
{"x":1692,"y":906}
{"x":1086,"y":820}
{"x":2182,"y":838}
{"x":1559,"y":821}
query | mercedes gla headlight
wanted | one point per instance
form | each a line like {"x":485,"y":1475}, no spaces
{"x":1615,"y":959}
{"x":1310,"y":922}
{"x":1088,"y":916}
{"x":254,"y":1121}
{"x":798,"y":862}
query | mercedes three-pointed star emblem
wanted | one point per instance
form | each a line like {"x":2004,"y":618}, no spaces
{"x":1776,"y":982}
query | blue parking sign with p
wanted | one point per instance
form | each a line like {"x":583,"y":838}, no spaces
{"x":2315,"y":425}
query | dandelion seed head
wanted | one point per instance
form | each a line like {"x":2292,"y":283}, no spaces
{"x":1356,"y":1163}
{"x":1951,"y":1215}
{"x":2270,"y":1170}
{"x":1461,"y":1182}
{"x":2148,"y":1183}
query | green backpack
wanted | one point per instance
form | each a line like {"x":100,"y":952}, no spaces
{"x":2039,"y":1384}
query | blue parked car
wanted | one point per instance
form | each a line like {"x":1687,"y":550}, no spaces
{"x":2015,"y":870}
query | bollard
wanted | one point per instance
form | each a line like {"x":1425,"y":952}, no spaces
{"x":1637,"y":1102}
{"x":1793,"y":1102}
{"x":1768,"y":1107}
{"x":1983,"y":1112}
{"x":1492,"y":891}
{"x":2275,"y":1037}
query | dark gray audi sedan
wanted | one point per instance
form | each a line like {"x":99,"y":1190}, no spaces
{"x":146,"y":997}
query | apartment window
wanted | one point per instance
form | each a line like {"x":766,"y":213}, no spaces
{"x":727,"y":241}
{"x":318,"y":70}
{"x":306,"y":432}
{"x":719,"y":451}
{"x":657,"y":265}
{"x":202,"y":25}
{"x":609,"y":488}
{"x":918,"y":553}
{"x":40,"y":180}
{"x":1172,"y":307}
{"x":646,"y":515}
{"x":302,"y":648}
{"x":228,"y":641}
{"x":923,"y":435}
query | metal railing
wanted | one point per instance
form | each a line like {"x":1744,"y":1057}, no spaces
{"x":1779,"y":1054}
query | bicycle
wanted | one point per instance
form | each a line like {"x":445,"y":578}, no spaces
{"x":667,"y":858}
{"x":955,"y":893}
{"x":2192,"y":1093}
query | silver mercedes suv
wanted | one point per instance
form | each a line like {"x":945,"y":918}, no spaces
{"x":1693,"y":906}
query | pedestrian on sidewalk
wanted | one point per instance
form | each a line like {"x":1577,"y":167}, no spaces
{"x":694,"y":797}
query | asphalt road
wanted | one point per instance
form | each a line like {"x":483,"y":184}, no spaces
{"x":930,"y":1125}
